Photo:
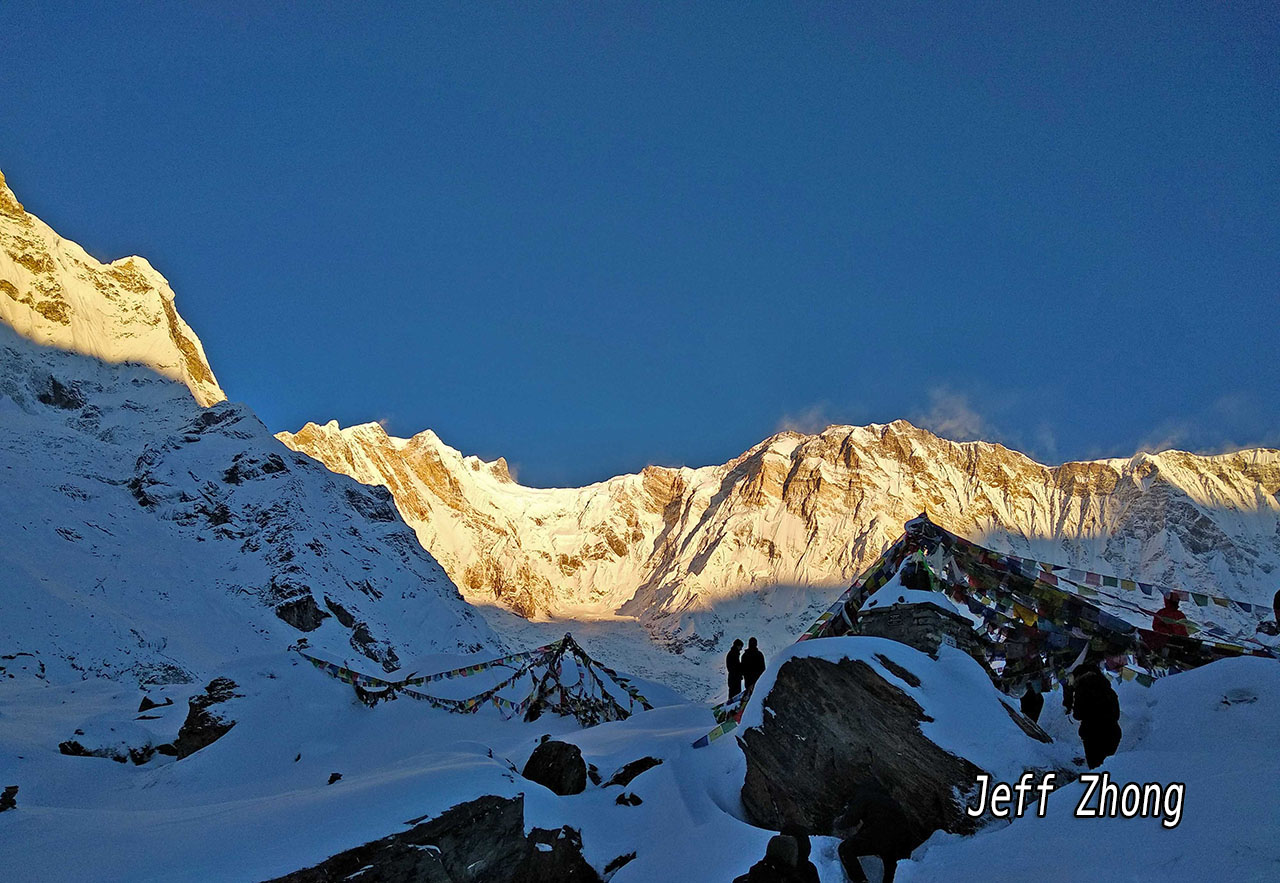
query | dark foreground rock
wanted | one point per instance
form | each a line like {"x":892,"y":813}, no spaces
{"x":118,"y":752}
{"x":559,"y":766}
{"x":840,"y":728}
{"x":481,"y":841}
{"x":9,"y":799}
{"x":205,"y":724}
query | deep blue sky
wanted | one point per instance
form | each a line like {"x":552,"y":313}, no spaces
{"x":591,"y":237}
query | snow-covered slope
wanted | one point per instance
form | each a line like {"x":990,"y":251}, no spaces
{"x":676,"y":546}
{"x":145,"y":536}
{"x":53,"y":292}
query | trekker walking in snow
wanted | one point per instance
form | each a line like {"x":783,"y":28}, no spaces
{"x":1095,"y":704}
{"x":752,"y":664}
{"x":733,"y":663}
{"x":873,"y":824}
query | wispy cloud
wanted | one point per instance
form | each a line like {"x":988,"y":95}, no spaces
{"x":1168,"y":436}
{"x":951,"y":416}
{"x":809,"y":421}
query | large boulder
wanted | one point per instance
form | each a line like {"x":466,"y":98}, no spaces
{"x":205,"y":723}
{"x":480,"y":841}
{"x":557,"y":765}
{"x":845,"y":715}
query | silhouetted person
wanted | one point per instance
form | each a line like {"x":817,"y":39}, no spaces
{"x":781,"y":863}
{"x":1273,"y":627}
{"x":806,"y":872}
{"x":1095,"y":704}
{"x":1032,"y":703}
{"x":873,"y":824}
{"x":752,"y":664}
{"x":733,"y":663}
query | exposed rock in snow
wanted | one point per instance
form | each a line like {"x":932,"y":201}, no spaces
{"x":844,"y":714}
{"x":54,"y":293}
{"x":205,"y":724}
{"x":479,"y":841}
{"x":675,"y":546}
{"x":629,"y":771}
{"x":559,"y":766}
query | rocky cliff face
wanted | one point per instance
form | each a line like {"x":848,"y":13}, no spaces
{"x":52,"y":292}
{"x":796,"y":510}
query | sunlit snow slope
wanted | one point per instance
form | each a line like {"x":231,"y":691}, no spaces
{"x":52,"y":292}
{"x":676,"y":546}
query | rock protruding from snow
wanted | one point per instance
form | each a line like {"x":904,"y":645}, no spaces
{"x":868,"y":714}
{"x":206,"y":724}
{"x":54,"y":293}
{"x":629,"y":771}
{"x":480,"y":841}
{"x":558,"y":766}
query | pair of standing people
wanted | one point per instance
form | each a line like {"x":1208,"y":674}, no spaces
{"x":743,"y":665}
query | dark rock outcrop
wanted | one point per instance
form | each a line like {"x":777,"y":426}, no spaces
{"x":480,"y":841}
{"x":9,"y":799}
{"x":204,"y":724}
{"x":559,"y":766}
{"x":629,"y":771}
{"x":59,"y":396}
{"x":838,"y":728}
{"x":116,"y":750}
{"x":555,"y":857}
{"x":302,"y":612}
{"x":148,"y":703}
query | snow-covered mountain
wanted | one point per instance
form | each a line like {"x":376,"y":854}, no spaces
{"x":671,"y":546}
{"x":53,"y":292}
{"x":145,"y":535}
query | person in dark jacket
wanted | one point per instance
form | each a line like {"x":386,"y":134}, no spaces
{"x":1032,"y":703}
{"x":805,"y":870}
{"x":1095,"y":704}
{"x":873,"y":824}
{"x":733,"y":663}
{"x":781,"y":863}
{"x":752,"y":664}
